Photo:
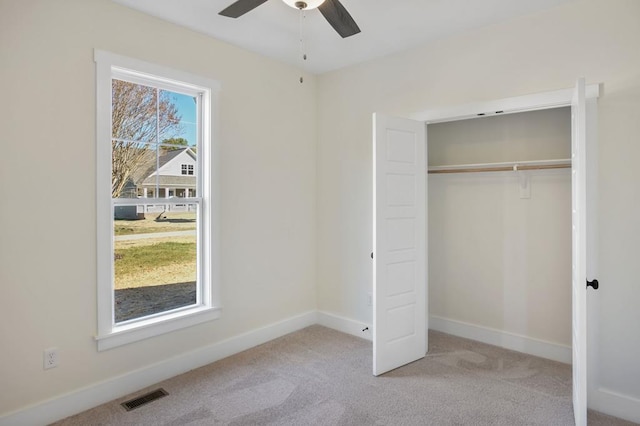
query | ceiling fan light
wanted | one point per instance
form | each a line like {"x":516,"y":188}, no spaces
{"x":310,"y":4}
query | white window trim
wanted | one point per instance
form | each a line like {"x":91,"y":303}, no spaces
{"x":110,"y":335}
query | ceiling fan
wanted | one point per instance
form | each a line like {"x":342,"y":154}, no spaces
{"x":333,"y":11}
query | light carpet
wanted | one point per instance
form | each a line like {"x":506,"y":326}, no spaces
{"x":318,"y":376}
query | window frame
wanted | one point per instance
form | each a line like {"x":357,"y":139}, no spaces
{"x":207,"y":307}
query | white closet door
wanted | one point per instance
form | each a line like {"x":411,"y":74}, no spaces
{"x":579,"y":257}
{"x":399,"y":242}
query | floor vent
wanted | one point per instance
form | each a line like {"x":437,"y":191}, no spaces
{"x":132,"y":404}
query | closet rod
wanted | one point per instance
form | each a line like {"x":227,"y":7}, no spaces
{"x":503,"y":167}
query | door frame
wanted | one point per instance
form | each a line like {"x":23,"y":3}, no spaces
{"x":534,"y":102}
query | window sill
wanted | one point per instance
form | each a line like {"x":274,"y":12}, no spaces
{"x":146,"y":328}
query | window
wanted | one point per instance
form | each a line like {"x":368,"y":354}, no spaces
{"x":187,"y":169}
{"x":158,"y":257}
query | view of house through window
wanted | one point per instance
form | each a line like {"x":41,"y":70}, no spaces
{"x":154,"y":177}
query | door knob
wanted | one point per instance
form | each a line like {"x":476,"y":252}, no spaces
{"x":593,"y":284}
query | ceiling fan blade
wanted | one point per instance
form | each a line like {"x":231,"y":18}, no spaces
{"x":240,"y":7}
{"x":335,"y":13}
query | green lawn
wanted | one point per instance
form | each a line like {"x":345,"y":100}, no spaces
{"x":153,"y":256}
{"x":166,"y":262}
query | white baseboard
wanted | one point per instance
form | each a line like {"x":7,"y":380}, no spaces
{"x":512,"y":341}
{"x":345,"y":325}
{"x":614,"y":404}
{"x":91,"y":396}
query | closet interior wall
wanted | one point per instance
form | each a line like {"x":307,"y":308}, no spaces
{"x":497,"y":260}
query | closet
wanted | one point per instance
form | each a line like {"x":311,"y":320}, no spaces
{"x":499,"y":229}
{"x":489,"y":236}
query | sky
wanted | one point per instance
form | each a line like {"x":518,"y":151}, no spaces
{"x":187,"y":109}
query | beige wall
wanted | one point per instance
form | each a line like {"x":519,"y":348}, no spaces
{"x":48,"y":216}
{"x":525,"y":136}
{"x":545,"y":51}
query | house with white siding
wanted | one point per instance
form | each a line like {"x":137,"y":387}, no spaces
{"x":175,"y":176}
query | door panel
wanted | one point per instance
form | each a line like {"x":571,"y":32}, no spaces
{"x":399,"y":242}
{"x":579,"y":255}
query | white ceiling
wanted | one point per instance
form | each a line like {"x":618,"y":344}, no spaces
{"x":272,"y":29}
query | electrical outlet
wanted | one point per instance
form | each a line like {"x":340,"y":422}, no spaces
{"x":50,"y":358}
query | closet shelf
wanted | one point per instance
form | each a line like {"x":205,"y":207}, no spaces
{"x":513,"y":166}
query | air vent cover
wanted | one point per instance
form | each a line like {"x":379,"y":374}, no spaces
{"x":134,"y":403}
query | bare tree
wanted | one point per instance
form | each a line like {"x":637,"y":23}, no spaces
{"x":141,"y":116}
